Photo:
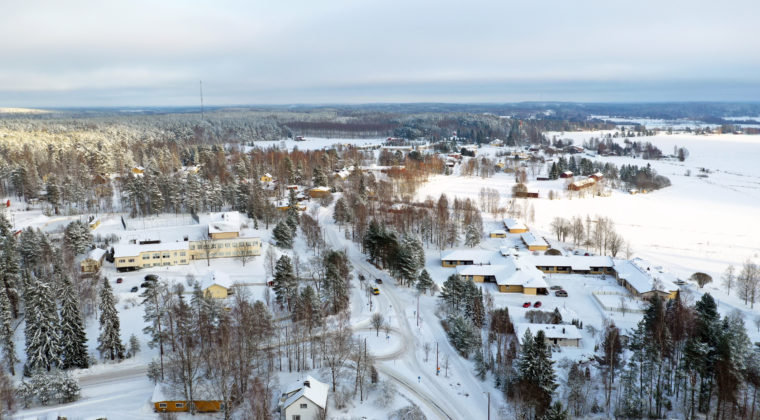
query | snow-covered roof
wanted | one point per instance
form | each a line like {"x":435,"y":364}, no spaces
{"x":567,"y":173}
{"x":584,"y":182}
{"x":643,"y":277}
{"x":201,"y":392}
{"x":220,"y":278}
{"x":324,"y":189}
{"x":225,"y":222}
{"x":310,"y":388}
{"x":508,"y":271}
{"x":268,"y":175}
{"x":96,"y":254}
{"x":559,"y":331}
{"x":496,"y":270}
{"x":474,"y":255}
{"x":512,"y":224}
{"x":531,"y":240}
{"x":499,"y":232}
{"x":575,"y":262}
{"x":133,"y":250}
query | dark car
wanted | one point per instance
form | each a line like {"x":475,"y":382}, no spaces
{"x":119,"y":280}
{"x":560,"y":293}
{"x":556,"y":287}
{"x":151,"y":277}
{"x":537,"y":304}
{"x":134,"y":289}
{"x":146,"y":284}
{"x":379,"y":281}
{"x":526,"y":305}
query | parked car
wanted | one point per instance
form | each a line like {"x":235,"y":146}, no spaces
{"x":560,"y":293}
{"x":680,"y":282}
{"x":151,"y":277}
{"x":375,"y":291}
{"x":361,"y":277}
{"x":270,"y":283}
{"x":537,"y":304}
{"x":556,"y":287}
{"x":526,"y":305}
{"x":119,"y":280}
{"x":134,"y":289}
{"x":379,"y":281}
{"x":145,"y":284}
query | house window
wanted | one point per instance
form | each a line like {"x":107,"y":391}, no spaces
{"x":179,"y":405}
{"x":182,"y":261}
{"x":192,"y":247}
{"x":303,"y":406}
{"x":167,"y":255}
{"x":121,"y":260}
{"x":296,"y":417}
{"x":161,"y":405}
{"x":227,"y":245}
{"x":166,"y":263}
{"x":131,"y":260}
{"x":182,"y":254}
{"x":146,"y":265}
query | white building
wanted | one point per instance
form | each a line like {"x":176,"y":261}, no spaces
{"x":556,"y":334}
{"x":304,"y":400}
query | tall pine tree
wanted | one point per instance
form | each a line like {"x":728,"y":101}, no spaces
{"x":73,"y":338}
{"x":42,"y":338}
{"x":6,"y":333}
{"x":109,"y":341}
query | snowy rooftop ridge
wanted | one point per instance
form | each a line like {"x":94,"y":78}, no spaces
{"x":133,"y":250}
{"x":575,"y":262}
{"x":201,"y":392}
{"x":215,"y":277}
{"x":638,"y":273}
{"x":225,"y":222}
{"x":532,"y":240}
{"x":474,"y":255}
{"x":513,"y":224}
{"x":563,"y":331}
{"x":310,"y":388}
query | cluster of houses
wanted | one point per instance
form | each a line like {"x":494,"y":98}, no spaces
{"x":513,"y":272}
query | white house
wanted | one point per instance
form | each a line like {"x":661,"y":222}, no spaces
{"x":555,"y":334}
{"x":304,"y":400}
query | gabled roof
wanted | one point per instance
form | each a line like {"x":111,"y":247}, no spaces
{"x":532,"y":240}
{"x":643,"y":277}
{"x":512,"y":224}
{"x":225,"y":222}
{"x":575,"y":262}
{"x":559,"y":331}
{"x":310,"y":388}
{"x":474,"y":255}
{"x":201,"y":392}
{"x":216,"y":277}
{"x":96,"y":254}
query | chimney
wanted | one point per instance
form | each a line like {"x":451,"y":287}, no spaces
{"x":306,"y":384}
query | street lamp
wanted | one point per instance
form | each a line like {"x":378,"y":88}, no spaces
{"x":489,"y":403}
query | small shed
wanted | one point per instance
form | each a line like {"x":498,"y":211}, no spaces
{"x":319,"y":192}
{"x":216,"y":284}
{"x":498,"y":233}
{"x":92,"y":262}
{"x":566,"y":174}
{"x":267,"y":177}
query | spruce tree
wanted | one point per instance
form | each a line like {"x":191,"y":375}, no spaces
{"x":42,"y":327}
{"x":425,"y":282}
{"x":73,"y":338}
{"x":292,"y":214}
{"x":9,"y":271}
{"x":283,"y":235}
{"x":285,"y":282}
{"x":109,"y":341}
{"x":472,"y":235}
{"x":6,"y":334}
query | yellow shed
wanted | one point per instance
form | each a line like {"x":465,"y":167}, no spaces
{"x":266,"y":178}
{"x":216,"y":284}
{"x":166,"y":400}
{"x":498,"y":234}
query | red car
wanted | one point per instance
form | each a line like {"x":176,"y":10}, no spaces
{"x":119,"y":280}
{"x":537,"y":304}
{"x":526,"y":305}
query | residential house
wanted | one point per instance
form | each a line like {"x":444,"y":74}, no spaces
{"x":533,"y":242}
{"x":92,"y":261}
{"x":565,"y":335}
{"x":644,"y":281}
{"x":458,"y":257}
{"x":574,"y":264}
{"x":304,"y":400}
{"x":267,"y":177}
{"x":513,"y":226}
{"x":319,"y":192}
{"x":510,"y":275}
{"x":216,"y":284}
{"x":566,"y":174}
{"x":582,"y":184}
{"x":498,"y":233}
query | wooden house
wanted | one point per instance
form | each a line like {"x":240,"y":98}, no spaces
{"x":319,"y":192}
{"x":216,"y":284}
{"x":459,"y":257}
{"x":565,"y":335}
{"x":499,"y":233}
{"x":167,"y":400}
{"x":533,"y":242}
{"x":513,"y":226}
{"x":267,"y":177}
{"x":582,"y":184}
{"x":566,"y":174}
{"x":304,"y":400}
{"x":92,"y":262}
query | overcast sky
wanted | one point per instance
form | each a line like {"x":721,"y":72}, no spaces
{"x":153,"y":53}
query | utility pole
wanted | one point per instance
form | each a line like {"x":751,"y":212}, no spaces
{"x":201,"y":84}
{"x":437,"y":367}
{"x":418,"y":309}
{"x":489,"y":403}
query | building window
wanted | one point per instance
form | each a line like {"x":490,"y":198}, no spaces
{"x":166,"y":263}
{"x":227,"y":245}
{"x":167,"y":255}
{"x":179,"y":405}
{"x":121,"y":260}
{"x":146,"y":265}
{"x":156,"y":256}
{"x":296,"y":417}
{"x":182,"y":254}
{"x":183,"y":261}
{"x":303,"y":406}
{"x":161,"y":405}
{"x":131,"y":260}
{"x":192,"y":247}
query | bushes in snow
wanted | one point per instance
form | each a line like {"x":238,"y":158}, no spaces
{"x":49,"y":387}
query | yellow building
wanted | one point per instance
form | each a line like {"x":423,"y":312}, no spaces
{"x":466,"y":257}
{"x":166,"y":400}
{"x":509,"y":275}
{"x":513,"y":226}
{"x":575,"y":264}
{"x":319,"y":192}
{"x":216,"y":284}
{"x":138,"y":170}
{"x":534,"y":243}
{"x":94,"y":223}
{"x":92,"y":262}
{"x":645,"y":281}
{"x":266,"y":178}
{"x":498,"y":234}
{"x":134,"y":257}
